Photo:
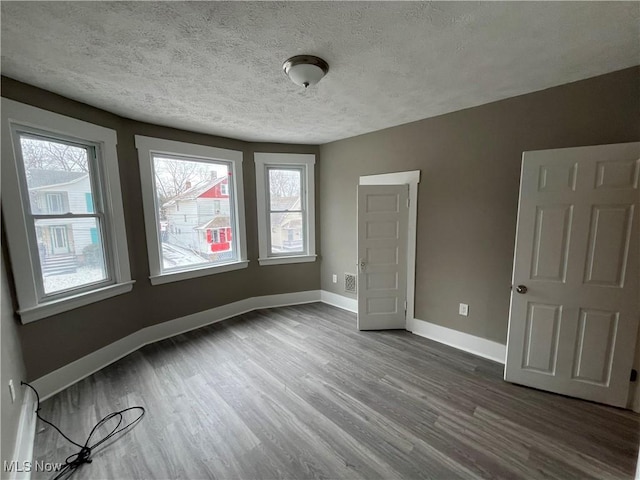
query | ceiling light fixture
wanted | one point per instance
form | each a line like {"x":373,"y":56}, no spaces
{"x":305,"y":70}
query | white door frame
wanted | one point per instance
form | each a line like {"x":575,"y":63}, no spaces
{"x":411,"y":178}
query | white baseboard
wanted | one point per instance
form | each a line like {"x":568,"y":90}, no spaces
{"x":58,"y":380}
{"x":25,"y":437}
{"x":462,"y":341}
{"x":346,"y":303}
{"x":62,"y":378}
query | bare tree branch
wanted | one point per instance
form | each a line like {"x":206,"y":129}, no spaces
{"x":284,"y":183}
{"x":50,"y":155}
{"x":174,"y":177}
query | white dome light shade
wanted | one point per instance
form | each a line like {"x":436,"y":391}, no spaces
{"x":305,"y":70}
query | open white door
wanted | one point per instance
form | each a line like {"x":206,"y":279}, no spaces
{"x":382,"y":256}
{"x":575,"y":298}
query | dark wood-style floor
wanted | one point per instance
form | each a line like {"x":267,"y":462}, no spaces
{"x":297,"y":392}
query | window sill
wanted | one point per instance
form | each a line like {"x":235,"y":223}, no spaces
{"x":287,"y":259}
{"x":199,"y":272}
{"x":48,"y":309}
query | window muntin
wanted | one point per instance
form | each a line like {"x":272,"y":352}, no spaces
{"x":191,"y":207}
{"x":287,"y":216}
{"x":57,"y":175}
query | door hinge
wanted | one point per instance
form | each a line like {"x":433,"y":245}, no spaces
{"x":634,"y":375}
{"x":405,"y":307}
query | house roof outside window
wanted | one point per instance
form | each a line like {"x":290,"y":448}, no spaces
{"x":219,"y":221}
{"x":195,"y":191}
{"x":47,"y":178}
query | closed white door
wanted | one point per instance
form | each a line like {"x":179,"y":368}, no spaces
{"x":575,"y":295}
{"x":382,"y":256}
{"x":59,"y":240}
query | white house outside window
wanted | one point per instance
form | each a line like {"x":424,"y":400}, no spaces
{"x":65,"y":224}
{"x":194,"y":209}
{"x":286,"y":207}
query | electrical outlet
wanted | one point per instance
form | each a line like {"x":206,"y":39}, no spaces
{"x":464,"y":309}
{"x":12,"y":391}
{"x":335,"y":278}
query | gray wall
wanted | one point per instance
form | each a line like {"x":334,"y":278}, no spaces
{"x":468,"y":195}
{"x":470,"y":162}
{"x":55,"y":341}
{"x":12,"y":368}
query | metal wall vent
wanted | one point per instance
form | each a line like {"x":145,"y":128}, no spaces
{"x":350,"y":282}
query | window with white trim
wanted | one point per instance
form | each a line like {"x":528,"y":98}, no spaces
{"x":203,"y":184}
{"x":286,"y":207}
{"x":55,"y":201}
{"x":63,"y":211}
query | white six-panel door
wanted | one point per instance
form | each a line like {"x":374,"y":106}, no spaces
{"x":575,"y":295}
{"x":382,"y":256}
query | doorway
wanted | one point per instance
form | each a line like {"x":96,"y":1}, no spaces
{"x":408,"y":181}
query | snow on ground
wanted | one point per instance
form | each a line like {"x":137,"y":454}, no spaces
{"x":82,"y":276}
{"x":174,"y":256}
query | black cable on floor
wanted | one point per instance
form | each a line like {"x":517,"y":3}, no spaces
{"x":73,"y":461}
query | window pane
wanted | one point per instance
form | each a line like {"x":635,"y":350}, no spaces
{"x":284,"y":189}
{"x":57,"y":176}
{"x":194,"y":211}
{"x":286,"y":233}
{"x":71,"y":253}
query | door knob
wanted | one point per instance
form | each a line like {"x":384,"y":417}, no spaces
{"x":362,"y":264}
{"x":521,"y":289}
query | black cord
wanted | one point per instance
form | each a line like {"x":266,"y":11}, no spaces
{"x":73,"y":461}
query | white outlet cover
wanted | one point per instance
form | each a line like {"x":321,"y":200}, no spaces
{"x":464,"y":309}
{"x":335,"y":278}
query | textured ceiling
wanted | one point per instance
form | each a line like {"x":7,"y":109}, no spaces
{"x":215,"y":67}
